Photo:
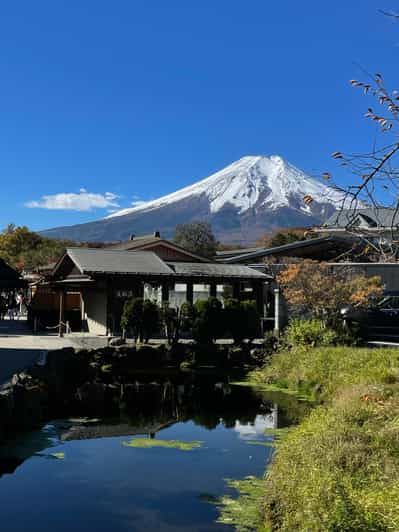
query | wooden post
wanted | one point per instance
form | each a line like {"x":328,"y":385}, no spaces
{"x":277,"y":310}
{"x":189,"y":293}
{"x":258,"y":291}
{"x":165,"y":292}
{"x":236,"y":290}
{"x":213,"y":290}
{"x":61,"y":318}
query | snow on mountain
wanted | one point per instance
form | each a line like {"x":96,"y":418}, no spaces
{"x":251,"y":196}
{"x":252,"y":181}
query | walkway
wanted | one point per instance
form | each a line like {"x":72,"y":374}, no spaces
{"x":19,"y":348}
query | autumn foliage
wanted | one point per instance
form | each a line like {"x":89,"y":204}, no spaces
{"x":316,"y":290}
{"x":25,"y":249}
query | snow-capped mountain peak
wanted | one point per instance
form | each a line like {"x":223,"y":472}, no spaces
{"x":251,"y":196}
{"x":251,"y":182}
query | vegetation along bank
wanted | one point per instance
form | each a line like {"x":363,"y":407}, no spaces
{"x":338,"y":470}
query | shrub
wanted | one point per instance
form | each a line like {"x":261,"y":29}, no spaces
{"x":132,"y":317}
{"x":187,"y":315}
{"x":208,"y":323}
{"x":140,"y":317}
{"x":242,"y":319}
{"x":235,"y":319}
{"x":151,"y":319}
{"x":310,"y":333}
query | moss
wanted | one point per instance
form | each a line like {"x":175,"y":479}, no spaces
{"x":147,"y":443}
{"x":58,"y":456}
{"x":264,"y":443}
{"x":83,"y":420}
{"x":242,"y":512}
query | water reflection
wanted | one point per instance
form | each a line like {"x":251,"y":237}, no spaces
{"x":130,"y":489}
{"x":145,"y":406}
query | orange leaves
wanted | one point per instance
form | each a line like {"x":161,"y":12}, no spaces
{"x":322,"y":291}
{"x":308,"y":199}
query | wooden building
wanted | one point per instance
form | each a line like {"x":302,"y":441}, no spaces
{"x":165,"y":249}
{"x":105,"y":278}
{"x":10,"y":279}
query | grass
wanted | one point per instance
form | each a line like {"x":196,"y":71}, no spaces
{"x":318,"y":373}
{"x":338,"y":469}
{"x":147,"y":443}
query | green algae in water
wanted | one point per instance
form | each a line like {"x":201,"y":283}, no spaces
{"x":58,"y":456}
{"x":278,"y":433}
{"x":55,"y":456}
{"x":147,"y":443}
{"x":245,"y":511}
{"x":83,"y":420}
{"x":260,"y":442}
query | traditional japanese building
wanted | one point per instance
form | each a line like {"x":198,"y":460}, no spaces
{"x":105,"y":278}
{"x":10,"y":279}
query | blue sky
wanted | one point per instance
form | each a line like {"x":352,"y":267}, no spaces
{"x":139,"y":98}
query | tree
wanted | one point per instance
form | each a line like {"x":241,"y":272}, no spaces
{"x":314,"y":290}
{"x":25,"y":249}
{"x":282,"y":236}
{"x":375,"y":174}
{"x":196,"y":237}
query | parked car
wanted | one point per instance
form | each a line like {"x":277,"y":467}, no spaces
{"x":381,"y":318}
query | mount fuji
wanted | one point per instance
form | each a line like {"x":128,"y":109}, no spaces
{"x":247,"y":198}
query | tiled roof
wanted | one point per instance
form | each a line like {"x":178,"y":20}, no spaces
{"x":137,"y":242}
{"x":211,"y":270}
{"x":378,"y":217}
{"x":146,"y":242}
{"x":90,"y":260}
{"x":9,"y":278}
{"x":283,"y":250}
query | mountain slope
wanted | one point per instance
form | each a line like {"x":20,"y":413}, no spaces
{"x":250,"y":196}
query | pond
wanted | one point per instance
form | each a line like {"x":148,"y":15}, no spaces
{"x":122,"y":471}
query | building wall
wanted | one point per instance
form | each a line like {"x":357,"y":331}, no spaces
{"x":95,"y":310}
{"x":169,"y":254}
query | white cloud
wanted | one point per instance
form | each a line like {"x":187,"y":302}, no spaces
{"x":72,"y":201}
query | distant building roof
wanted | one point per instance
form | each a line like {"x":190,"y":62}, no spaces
{"x":370,"y":218}
{"x":236,"y":252}
{"x":90,"y":260}
{"x":9,"y":278}
{"x":150,"y":241}
{"x":310,"y":248}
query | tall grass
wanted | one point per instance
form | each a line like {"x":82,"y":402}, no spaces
{"x":321,"y":372}
{"x":339,"y":469}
